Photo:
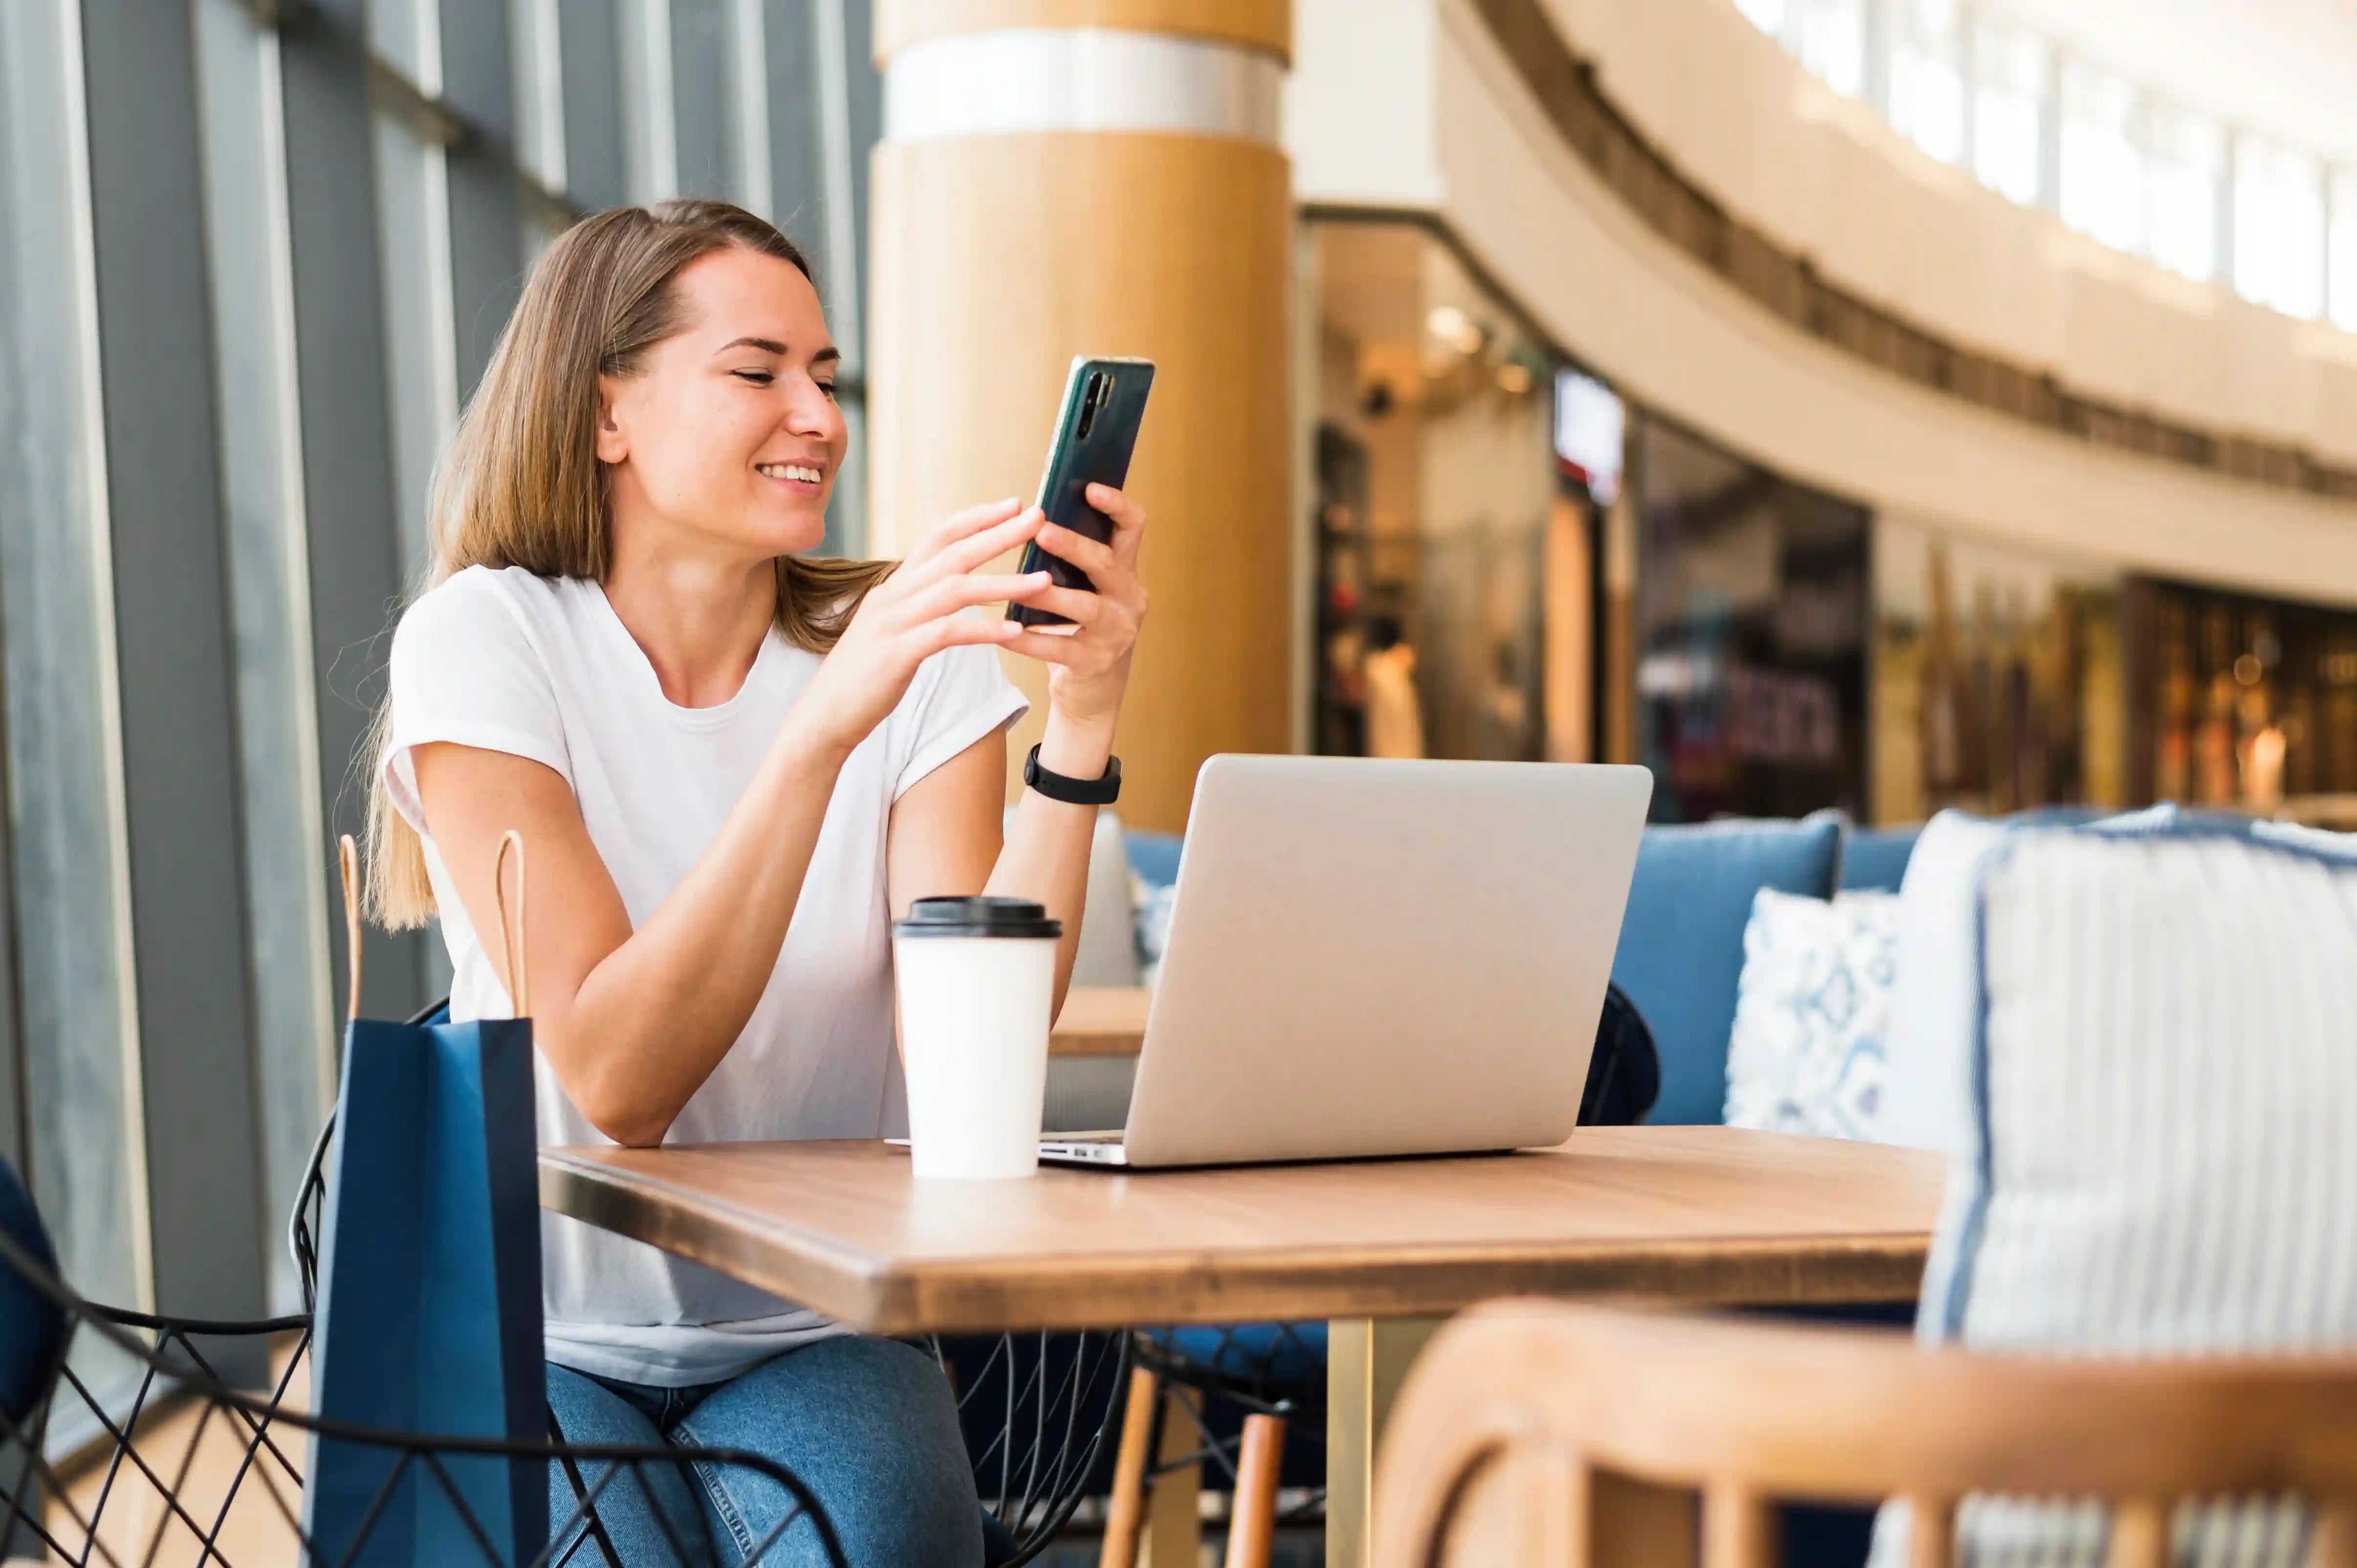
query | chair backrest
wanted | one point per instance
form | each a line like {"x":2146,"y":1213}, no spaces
{"x":1517,"y":1411}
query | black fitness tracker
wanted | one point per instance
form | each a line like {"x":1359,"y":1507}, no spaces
{"x":1102,"y":791}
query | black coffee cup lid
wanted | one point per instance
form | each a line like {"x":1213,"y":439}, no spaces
{"x":983,"y":916}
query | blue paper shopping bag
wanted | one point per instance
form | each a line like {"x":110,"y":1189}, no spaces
{"x":429,"y":1313}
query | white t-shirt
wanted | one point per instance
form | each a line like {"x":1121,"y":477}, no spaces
{"x":543,"y":669}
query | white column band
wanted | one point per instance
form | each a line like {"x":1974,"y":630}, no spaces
{"x":1082,"y":79}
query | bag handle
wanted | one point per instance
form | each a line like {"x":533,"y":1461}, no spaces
{"x":348,"y":862}
{"x":512,"y":927}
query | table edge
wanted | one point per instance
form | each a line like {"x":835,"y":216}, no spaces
{"x":857,"y":1288}
{"x":843,"y":1283}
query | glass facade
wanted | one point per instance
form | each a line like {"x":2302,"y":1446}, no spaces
{"x":371,"y":181}
{"x":1749,"y":635}
{"x":2279,"y":226}
{"x":2115,"y":161}
{"x":79,"y":1138}
{"x":2184,"y":180}
{"x":2102,"y":192}
{"x":2013,"y":104}
{"x":1928,"y":62}
{"x":1437,"y":531}
{"x":2244,"y":702}
{"x":1997,"y":677}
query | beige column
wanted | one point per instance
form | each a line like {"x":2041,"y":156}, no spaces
{"x":1099,"y":176}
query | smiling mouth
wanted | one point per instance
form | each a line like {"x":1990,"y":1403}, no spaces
{"x":802,"y":472}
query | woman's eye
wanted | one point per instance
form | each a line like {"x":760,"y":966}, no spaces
{"x":827,"y":387}
{"x":757,"y":378}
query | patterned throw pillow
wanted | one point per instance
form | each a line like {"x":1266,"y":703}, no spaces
{"x":1810,"y":1013}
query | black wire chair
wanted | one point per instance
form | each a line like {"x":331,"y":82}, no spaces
{"x":76,"y":1432}
{"x":1036,"y":1409}
{"x":38,"y":1493}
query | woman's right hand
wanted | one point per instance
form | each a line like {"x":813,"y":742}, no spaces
{"x":915,"y":613}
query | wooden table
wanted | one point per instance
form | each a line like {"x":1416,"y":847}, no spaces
{"x":1686,"y":1215}
{"x":1101,"y":1021}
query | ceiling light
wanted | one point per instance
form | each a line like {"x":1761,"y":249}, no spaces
{"x":1456,"y":329}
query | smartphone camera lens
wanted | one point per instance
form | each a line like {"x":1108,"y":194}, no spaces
{"x":1093,"y":400}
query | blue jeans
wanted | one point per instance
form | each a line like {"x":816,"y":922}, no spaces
{"x":868,"y":1426}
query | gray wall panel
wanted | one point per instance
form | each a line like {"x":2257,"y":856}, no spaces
{"x":355,"y":560}
{"x":173,"y":639}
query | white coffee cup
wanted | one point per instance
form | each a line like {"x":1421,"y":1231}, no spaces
{"x":976,"y":979}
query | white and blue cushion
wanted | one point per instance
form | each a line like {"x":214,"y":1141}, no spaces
{"x":1934,"y":1010}
{"x":1812,"y":1009}
{"x":2160,"y":1029}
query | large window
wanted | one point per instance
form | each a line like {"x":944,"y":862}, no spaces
{"x":2117,"y":163}
{"x":78,"y":1138}
{"x":261,"y":469}
{"x":2013,"y":98}
{"x":2343,"y":249}
{"x":358,"y":195}
{"x":2278,"y":226}
{"x":2184,"y":179}
{"x":2103,"y":189}
{"x":1830,"y":37}
{"x":1927,"y":77}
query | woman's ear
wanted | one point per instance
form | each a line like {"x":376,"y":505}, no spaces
{"x":612,"y":445}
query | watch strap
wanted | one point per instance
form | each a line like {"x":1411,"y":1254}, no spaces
{"x":1099,"y":791}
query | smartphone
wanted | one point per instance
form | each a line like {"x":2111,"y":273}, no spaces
{"x":1105,"y":402}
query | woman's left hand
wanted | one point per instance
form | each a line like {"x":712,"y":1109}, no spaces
{"x":1088,"y":660}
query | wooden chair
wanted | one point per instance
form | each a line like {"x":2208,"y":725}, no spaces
{"x":1535,"y":1433}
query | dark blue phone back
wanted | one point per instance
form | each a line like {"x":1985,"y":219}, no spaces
{"x":1097,"y":456}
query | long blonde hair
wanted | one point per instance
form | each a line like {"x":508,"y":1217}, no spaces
{"x":522,"y":485}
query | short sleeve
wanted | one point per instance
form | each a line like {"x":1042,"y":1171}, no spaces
{"x":465,"y":670}
{"x":960,"y":695}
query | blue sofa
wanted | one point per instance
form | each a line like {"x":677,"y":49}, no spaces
{"x":1681,"y":953}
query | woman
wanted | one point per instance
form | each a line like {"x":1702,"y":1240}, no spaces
{"x":733,"y":766}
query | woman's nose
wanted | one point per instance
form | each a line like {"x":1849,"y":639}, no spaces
{"x":814,"y":413}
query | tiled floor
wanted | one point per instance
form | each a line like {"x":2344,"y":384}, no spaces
{"x":253,"y":1533}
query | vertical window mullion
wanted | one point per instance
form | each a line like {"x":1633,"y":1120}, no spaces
{"x":355,"y":561}
{"x":86,"y":1156}
{"x":250,"y":270}
{"x":175,"y":651}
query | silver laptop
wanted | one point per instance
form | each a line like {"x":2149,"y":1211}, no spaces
{"x":1376,"y":958}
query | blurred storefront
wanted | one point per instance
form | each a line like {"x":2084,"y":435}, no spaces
{"x":1490,"y":583}
{"x":2242,"y":702}
{"x":1435,"y":511}
{"x":1998,"y":682}
{"x":1749,"y":624}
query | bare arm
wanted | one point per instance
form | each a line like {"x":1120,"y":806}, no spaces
{"x":945,"y":829}
{"x":946,"y":841}
{"x":632,"y":1022}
